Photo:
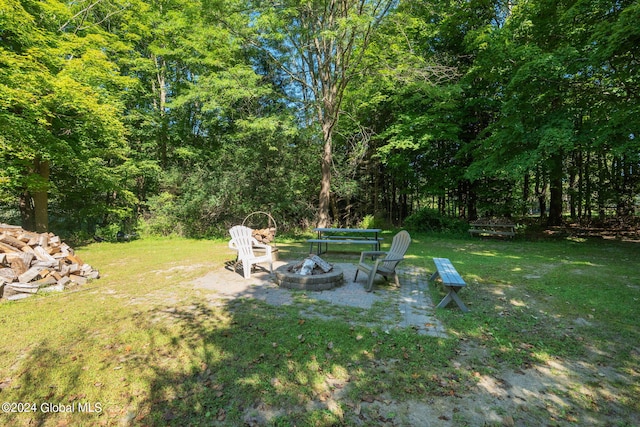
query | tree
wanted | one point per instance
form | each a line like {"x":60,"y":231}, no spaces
{"x":317,"y":45}
{"x":59,"y":111}
{"x":563,"y":75}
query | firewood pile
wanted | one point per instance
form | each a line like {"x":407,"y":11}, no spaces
{"x":38,"y":262}
{"x":264,"y":235}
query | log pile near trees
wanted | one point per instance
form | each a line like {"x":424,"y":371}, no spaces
{"x":37,"y":262}
{"x":264,"y":235}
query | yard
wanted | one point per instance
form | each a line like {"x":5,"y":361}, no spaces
{"x":552,"y":338}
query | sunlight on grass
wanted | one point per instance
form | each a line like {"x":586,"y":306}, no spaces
{"x":154,"y":350}
{"x":516,"y":303}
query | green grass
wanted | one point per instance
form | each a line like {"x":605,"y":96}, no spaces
{"x":151,"y":350}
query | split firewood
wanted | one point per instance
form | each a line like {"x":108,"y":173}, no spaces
{"x":264,"y":235}
{"x":30,"y":262}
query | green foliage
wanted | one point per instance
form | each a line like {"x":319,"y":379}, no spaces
{"x":162,"y":219}
{"x":61,"y":103}
{"x":371,"y":221}
{"x":164,"y":109}
{"x":108,"y":232}
{"x":427,"y":219}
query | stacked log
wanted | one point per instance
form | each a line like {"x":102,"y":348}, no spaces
{"x":265,"y":235}
{"x":38,"y":262}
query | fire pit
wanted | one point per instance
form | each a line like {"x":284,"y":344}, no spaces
{"x":312,"y":274}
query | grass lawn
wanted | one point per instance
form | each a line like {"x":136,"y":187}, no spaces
{"x":141,"y":346}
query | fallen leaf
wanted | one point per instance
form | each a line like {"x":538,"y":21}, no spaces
{"x":222,"y":414}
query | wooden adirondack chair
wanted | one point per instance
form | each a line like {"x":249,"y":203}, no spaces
{"x":243,"y":242}
{"x":385,"y":266}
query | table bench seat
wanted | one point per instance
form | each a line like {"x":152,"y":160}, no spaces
{"x":345,"y":236}
{"x":344,"y":240}
{"x":451,"y":281}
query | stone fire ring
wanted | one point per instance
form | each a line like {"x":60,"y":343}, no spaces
{"x":314,"y":282}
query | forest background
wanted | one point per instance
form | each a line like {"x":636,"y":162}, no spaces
{"x":184,"y":116}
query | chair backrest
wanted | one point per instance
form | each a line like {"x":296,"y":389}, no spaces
{"x":243,"y":241}
{"x":399,"y":247}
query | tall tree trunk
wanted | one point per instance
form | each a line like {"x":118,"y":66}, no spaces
{"x":580,"y":184}
{"x":525,"y":194}
{"x":587,"y":187}
{"x":161,"y":104}
{"x":555,"y":191}
{"x":541,"y":193}
{"x":602,"y":190}
{"x":572,"y":191}
{"x":27,"y":214}
{"x":325,"y":181}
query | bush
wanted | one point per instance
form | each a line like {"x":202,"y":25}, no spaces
{"x":369,"y":221}
{"x":431,"y":220}
{"x":162,"y":220}
{"x":108,"y":232}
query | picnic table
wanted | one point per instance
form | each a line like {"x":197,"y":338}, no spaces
{"x":490,"y":229}
{"x":345,"y":236}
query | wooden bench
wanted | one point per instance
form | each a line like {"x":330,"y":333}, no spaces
{"x":451,"y":281}
{"x":508,"y":230}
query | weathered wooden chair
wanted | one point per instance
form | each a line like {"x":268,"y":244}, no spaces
{"x":385,"y":266}
{"x":243,"y":242}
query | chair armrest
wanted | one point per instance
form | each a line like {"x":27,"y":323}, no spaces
{"x":266,"y":247}
{"x":371,"y":254}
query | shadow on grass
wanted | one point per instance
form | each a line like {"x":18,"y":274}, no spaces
{"x":558,"y":317}
{"x":520,"y":352}
{"x":268,"y":366}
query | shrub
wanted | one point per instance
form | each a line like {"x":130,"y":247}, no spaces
{"x":162,"y":220}
{"x":431,"y":220}
{"x":370,"y":221}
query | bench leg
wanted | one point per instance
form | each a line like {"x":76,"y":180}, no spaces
{"x":452,"y":295}
{"x":319,"y":248}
